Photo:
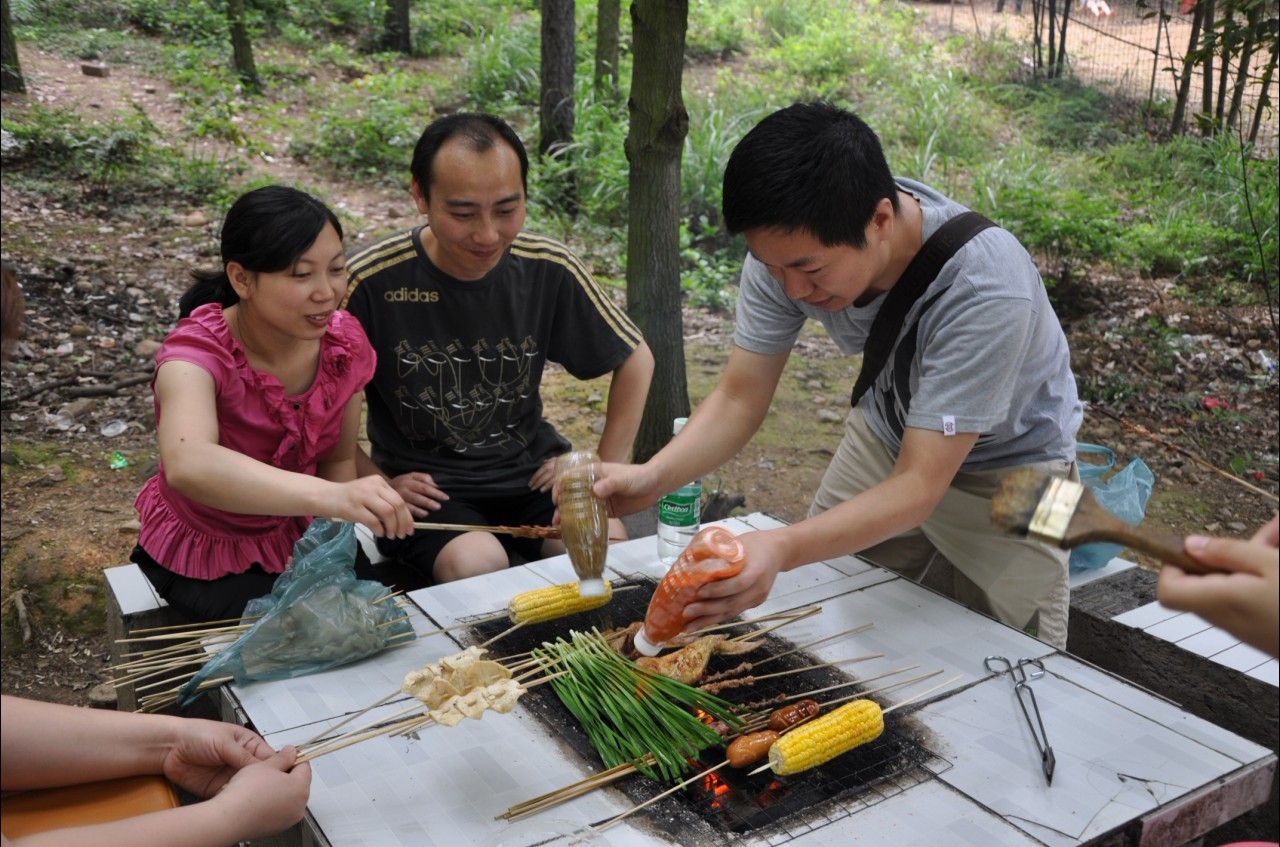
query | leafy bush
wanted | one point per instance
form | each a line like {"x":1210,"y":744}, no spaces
{"x":501,"y":67}
{"x":367,"y":128}
{"x":121,"y":159}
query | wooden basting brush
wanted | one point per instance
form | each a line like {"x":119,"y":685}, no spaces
{"x":1066,"y":514}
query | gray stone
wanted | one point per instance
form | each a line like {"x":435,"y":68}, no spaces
{"x":94,"y":69}
{"x":103,"y":696}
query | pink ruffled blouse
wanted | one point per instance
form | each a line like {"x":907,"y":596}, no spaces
{"x":255,"y":418}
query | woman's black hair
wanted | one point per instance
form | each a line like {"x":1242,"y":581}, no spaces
{"x":265,"y":230}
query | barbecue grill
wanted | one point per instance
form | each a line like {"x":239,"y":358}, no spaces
{"x":730,"y":803}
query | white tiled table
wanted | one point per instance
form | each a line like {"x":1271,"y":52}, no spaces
{"x":1197,"y":635}
{"x":1131,"y":767}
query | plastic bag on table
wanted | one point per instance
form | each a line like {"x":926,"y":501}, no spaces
{"x":317,"y":616}
{"x":1123,"y":493}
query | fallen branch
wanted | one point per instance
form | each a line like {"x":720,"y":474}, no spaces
{"x":111,"y":388}
{"x":1146,"y":433}
{"x":36,"y":390}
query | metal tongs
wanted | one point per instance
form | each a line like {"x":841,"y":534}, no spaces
{"x":1020,"y":675}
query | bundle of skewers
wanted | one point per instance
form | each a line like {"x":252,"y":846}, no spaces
{"x":331,"y":627}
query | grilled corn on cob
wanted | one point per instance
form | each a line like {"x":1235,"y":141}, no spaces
{"x":826,"y":737}
{"x":543,"y":604}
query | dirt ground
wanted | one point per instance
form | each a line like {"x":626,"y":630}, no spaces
{"x":77,"y":421}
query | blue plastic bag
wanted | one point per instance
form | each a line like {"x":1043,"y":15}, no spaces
{"x":317,"y":616}
{"x":1123,"y":493}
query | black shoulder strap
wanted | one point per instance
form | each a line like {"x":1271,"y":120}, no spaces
{"x":917,"y":277}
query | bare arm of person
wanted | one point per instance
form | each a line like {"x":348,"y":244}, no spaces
{"x":196,"y":465}
{"x":717,"y":429}
{"x":253,"y":789}
{"x":920,"y":477}
{"x":628,"y":390}
{"x":368,"y":498}
{"x":1246,"y":600}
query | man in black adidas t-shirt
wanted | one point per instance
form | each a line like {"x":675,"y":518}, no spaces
{"x":464,"y":312}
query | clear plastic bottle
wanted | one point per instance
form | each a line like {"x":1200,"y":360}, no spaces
{"x":715,"y":553}
{"x":679,"y":515}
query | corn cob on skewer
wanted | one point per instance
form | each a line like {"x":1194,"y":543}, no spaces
{"x":544,"y":604}
{"x":826,"y":737}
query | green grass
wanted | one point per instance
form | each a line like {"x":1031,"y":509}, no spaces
{"x":1069,"y":169}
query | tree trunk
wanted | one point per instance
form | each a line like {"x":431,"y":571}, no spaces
{"x":608,"y":13}
{"x":1246,"y":57}
{"x":557,"y":75}
{"x":659,"y":124}
{"x":396,"y":21}
{"x":1206,"y":50}
{"x":1188,"y":63}
{"x":1261,"y":105}
{"x":242,"y":48}
{"x":1061,"y":67}
{"x":10,"y":69}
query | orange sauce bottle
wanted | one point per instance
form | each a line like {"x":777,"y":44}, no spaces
{"x":714,"y":553}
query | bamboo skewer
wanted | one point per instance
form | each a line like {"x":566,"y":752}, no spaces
{"x":603,"y":778}
{"x":569,"y":792}
{"x":750,"y":679}
{"x":892,"y":708}
{"x":195,"y":625}
{"x":617,"y":818}
{"x":850,"y":631}
{"x":348,"y":719}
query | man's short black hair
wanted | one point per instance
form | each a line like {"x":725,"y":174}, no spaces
{"x":481,"y":131}
{"x":811,"y":167}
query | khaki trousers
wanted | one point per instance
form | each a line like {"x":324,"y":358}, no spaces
{"x":1020,"y":582}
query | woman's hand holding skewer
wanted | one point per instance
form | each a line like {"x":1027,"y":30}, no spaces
{"x":372,"y":501}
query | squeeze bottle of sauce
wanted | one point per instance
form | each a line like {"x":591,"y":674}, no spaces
{"x":714,"y":553}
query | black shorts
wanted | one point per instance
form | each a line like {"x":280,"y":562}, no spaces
{"x":418,"y":552}
{"x":222,"y":598}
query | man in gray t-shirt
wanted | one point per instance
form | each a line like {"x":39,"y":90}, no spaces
{"x":977,"y":381}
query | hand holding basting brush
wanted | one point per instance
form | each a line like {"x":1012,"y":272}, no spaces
{"x":1066,"y":514}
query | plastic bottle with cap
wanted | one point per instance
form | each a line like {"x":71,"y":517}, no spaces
{"x":679,"y":514}
{"x":715,"y":553}
{"x":584,"y":524}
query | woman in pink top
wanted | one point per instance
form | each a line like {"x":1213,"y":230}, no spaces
{"x":257,"y":394}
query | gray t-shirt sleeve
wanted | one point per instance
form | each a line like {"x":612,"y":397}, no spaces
{"x":767,"y":321}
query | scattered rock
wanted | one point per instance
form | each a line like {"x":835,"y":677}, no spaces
{"x":103,"y":696}
{"x":146,"y":348}
{"x":95,"y":69}
{"x":830,"y":416}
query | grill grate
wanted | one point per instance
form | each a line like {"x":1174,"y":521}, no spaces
{"x":729,"y":806}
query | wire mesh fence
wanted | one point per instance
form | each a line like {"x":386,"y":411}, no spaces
{"x":1128,"y":48}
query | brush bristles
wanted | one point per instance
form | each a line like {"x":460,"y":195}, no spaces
{"x":1016,"y":500}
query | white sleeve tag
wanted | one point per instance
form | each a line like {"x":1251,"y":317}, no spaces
{"x":948,"y":425}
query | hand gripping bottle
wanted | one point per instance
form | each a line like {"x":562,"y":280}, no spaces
{"x":714,"y":553}
{"x":584,"y":526}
